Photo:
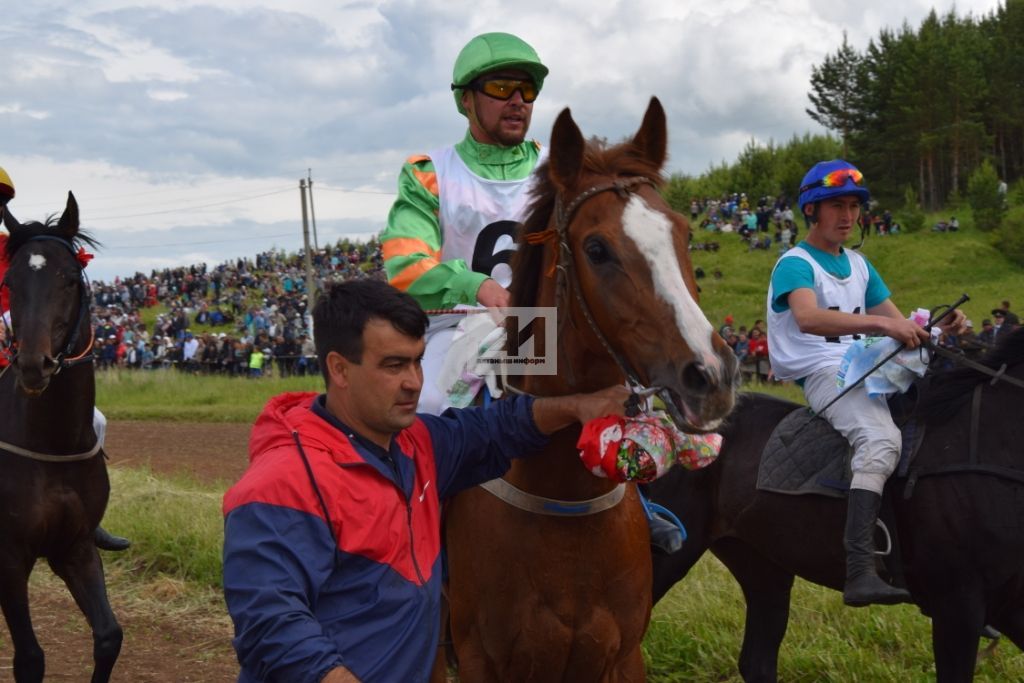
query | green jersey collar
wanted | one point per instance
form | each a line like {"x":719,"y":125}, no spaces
{"x":485,"y":154}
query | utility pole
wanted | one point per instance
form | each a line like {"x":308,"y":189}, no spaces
{"x":310,"y":282}
{"x":312,"y":212}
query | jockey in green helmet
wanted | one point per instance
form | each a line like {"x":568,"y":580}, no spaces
{"x":451,"y":230}
{"x":491,"y":52}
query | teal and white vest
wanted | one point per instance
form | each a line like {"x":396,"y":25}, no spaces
{"x":795,"y":354}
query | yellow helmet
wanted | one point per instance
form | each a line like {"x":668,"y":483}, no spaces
{"x":6,"y":187}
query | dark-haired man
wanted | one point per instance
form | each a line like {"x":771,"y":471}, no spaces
{"x":1002,"y":327}
{"x":1010,"y":318}
{"x":332,"y":537}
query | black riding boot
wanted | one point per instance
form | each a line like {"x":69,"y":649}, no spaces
{"x":104,"y":540}
{"x":863,"y":586}
{"x":665,"y":535}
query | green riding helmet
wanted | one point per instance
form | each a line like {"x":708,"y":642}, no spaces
{"x":490,"y":52}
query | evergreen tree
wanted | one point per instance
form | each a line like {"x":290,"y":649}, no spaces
{"x":984,"y":198}
{"x":879,"y":145}
{"x":1010,"y":236}
{"x":835,"y":92}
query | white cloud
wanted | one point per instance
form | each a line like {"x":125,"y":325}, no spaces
{"x":168,"y":120}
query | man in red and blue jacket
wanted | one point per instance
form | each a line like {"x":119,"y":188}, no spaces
{"x":332,"y":549}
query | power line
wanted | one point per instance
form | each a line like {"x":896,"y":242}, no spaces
{"x":341,"y":189}
{"x":193,"y":243}
{"x":160,"y":190}
{"x":175,"y":201}
{"x":184,"y":208}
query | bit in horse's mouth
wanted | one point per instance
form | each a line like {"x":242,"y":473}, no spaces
{"x":686,"y":417}
{"x":32,"y":393}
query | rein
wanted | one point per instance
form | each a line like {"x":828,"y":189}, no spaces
{"x":540,"y":505}
{"x":564,"y":264}
{"x":958,"y":358}
{"x":48,"y":457}
{"x":973,"y":464}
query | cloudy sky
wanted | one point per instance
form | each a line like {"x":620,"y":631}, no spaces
{"x":183,"y":127}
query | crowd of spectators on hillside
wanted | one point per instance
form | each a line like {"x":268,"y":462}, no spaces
{"x":975,"y":342}
{"x":756,"y":225}
{"x":751,"y":348}
{"x":770,"y":223}
{"x":751,"y":344}
{"x":253,"y":313}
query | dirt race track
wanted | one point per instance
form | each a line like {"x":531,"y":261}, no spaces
{"x":173,"y":645}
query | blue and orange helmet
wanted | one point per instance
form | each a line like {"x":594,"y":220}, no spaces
{"x":836,"y":178}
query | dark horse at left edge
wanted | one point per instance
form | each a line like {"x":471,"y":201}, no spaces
{"x":958,"y":512}
{"x":53,"y":478}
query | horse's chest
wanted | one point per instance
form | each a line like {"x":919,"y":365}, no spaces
{"x":39,"y":507}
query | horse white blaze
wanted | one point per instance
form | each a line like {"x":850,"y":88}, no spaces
{"x":36,"y":261}
{"x":651,"y":231}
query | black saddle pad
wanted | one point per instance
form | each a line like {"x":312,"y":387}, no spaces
{"x":805,"y":455}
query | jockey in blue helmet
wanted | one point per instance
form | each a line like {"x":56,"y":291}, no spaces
{"x":821,"y":299}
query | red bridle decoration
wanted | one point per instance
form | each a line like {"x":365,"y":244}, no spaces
{"x":83,"y":256}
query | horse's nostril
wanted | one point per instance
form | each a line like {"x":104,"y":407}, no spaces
{"x":696,"y":379}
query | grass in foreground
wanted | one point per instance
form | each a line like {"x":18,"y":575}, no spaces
{"x":697,"y":629}
{"x":175,"y":526}
{"x":694,"y":636}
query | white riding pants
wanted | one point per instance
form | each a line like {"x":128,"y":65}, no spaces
{"x":865,"y":422}
{"x":99,"y":425}
{"x":434,"y":399}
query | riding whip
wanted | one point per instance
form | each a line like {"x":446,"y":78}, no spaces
{"x":931,"y":323}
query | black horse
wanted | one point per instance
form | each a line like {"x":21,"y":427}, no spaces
{"x":53,"y":478}
{"x":959,"y":517}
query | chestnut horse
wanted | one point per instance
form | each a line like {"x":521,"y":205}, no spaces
{"x":53,"y":479}
{"x":556,"y":586}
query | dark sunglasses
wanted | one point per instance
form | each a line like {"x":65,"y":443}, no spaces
{"x":503,"y":88}
{"x":836,"y":178}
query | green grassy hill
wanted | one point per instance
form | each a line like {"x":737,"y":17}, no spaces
{"x":923,"y":270}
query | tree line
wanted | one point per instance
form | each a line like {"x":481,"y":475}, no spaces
{"x":919,"y":111}
{"x":923,"y":109}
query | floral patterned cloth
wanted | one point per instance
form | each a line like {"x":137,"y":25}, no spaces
{"x":643,"y":448}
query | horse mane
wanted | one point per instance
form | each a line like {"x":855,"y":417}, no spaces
{"x":16,"y":239}
{"x":951,"y":389}
{"x":621,"y":160}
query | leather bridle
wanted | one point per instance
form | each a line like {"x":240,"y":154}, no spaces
{"x":66,"y":357}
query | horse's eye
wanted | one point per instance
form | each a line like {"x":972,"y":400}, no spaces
{"x":597,"y":251}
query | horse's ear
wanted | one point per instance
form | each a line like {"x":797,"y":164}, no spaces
{"x":68,"y":225}
{"x":651,"y":141}
{"x":566,"y":160}
{"x":10,"y":222}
